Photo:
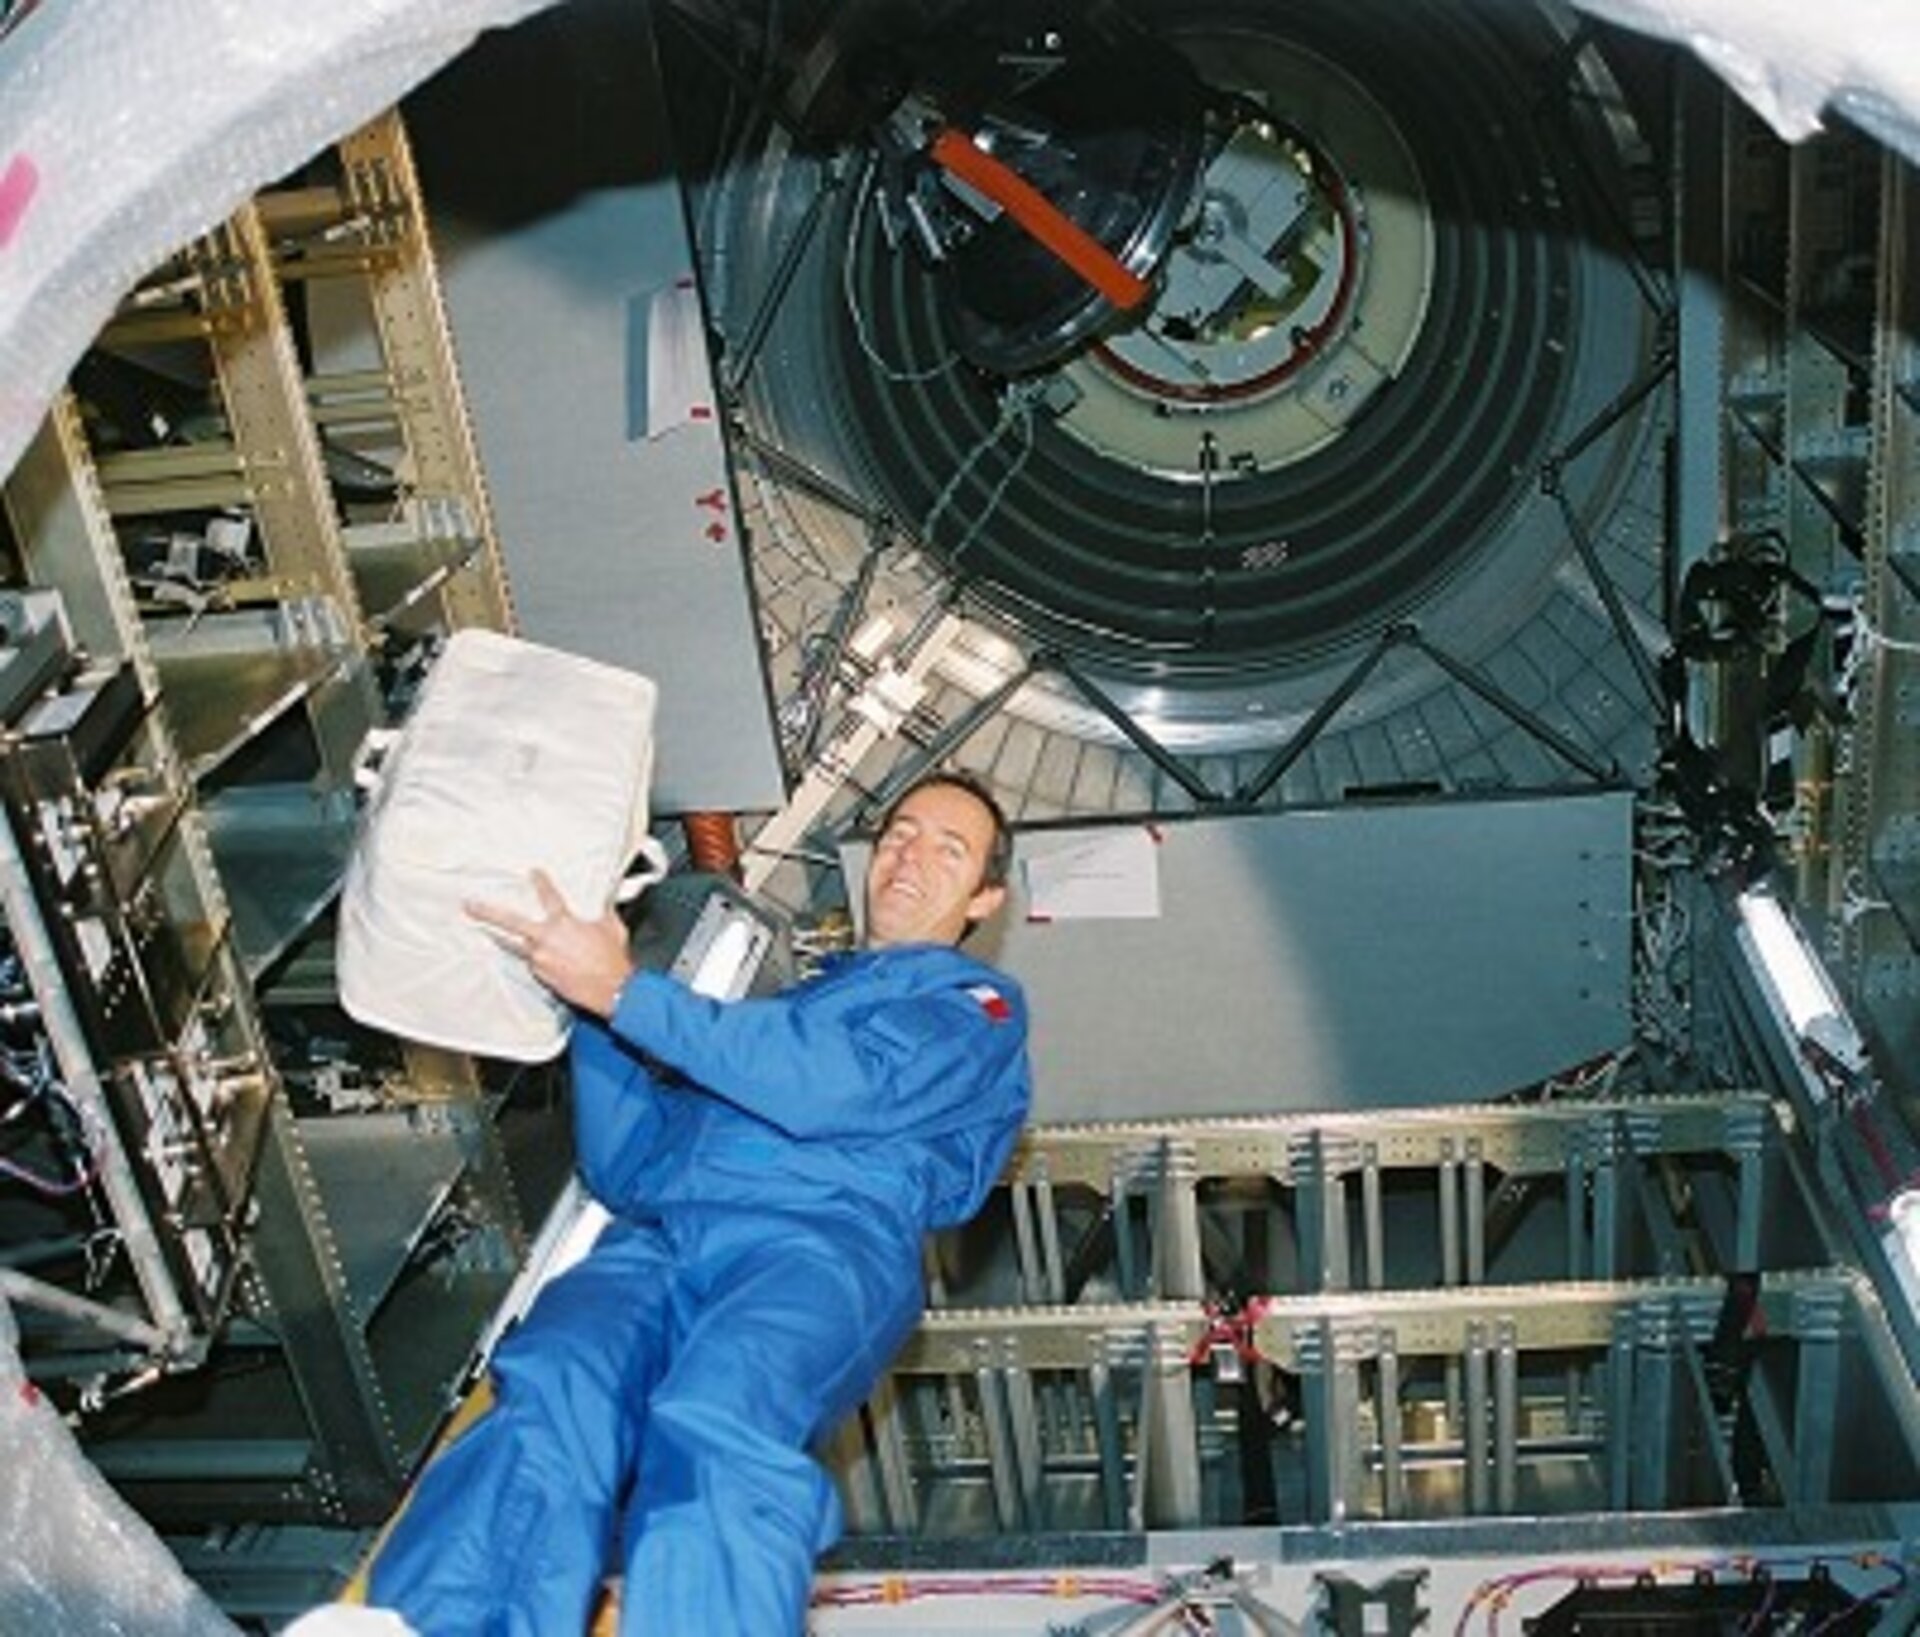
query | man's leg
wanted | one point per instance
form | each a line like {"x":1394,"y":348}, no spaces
{"x":782,"y":1338}
{"x":508,"y":1529}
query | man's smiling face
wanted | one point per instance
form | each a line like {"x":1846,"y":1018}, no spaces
{"x":924,"y":884}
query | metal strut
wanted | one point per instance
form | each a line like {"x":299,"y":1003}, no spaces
{"x":1148,"y":746}
{"x":1643,"y":666}
{"x":944,"y":743}
{"x":1509,"y":707}
{"x":1296,"y":747}
{"x":789,"y":468}
{"x":740,"y":365}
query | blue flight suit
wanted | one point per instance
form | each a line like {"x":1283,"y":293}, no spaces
{"x":770,"y":1195}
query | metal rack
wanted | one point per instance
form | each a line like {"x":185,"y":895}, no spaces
{"x":257,"y":571}
{"x":1321,"y":1320}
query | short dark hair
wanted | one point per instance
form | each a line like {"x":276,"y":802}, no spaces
{"x":998,"y":864}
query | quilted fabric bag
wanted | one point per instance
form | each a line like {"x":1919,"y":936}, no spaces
{"x":515,"y":757}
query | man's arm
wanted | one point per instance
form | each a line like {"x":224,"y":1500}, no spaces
{"x":814,"y":1062}
{"x":819,"y":1061}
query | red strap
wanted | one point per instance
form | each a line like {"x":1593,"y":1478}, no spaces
{"x":1071,"y":243}
{"x":1232,"y":1330}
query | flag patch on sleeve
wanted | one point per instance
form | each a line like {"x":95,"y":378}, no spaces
{"x":991,"y":1001}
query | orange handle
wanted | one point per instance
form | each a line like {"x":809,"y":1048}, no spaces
{"x":954,"y":151}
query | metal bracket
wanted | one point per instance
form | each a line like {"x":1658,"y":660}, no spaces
{"x":1354,"y":1610}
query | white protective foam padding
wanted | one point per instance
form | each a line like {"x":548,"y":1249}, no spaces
{"x":76,"y":1557}
{"x":129,"y":126}
{"x":1792,"y":59}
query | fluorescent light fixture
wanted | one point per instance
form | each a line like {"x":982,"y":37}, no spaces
{"x":1801,"y":997}
{"x":1903,"y":1211}
{"x":1901,"y":1241}
{"x":1798,"y":979}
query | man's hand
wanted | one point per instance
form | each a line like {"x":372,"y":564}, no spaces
{"x":585,"y":963}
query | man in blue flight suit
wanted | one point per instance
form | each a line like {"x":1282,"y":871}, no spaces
{"x":772,"y":1166}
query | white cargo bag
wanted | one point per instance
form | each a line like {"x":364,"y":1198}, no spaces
{"x":515,"y":758}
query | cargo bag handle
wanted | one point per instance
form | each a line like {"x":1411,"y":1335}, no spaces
{"x":369,"y":760}
{"x":635,"y":882}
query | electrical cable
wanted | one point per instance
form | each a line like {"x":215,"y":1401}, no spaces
{"x":1016,"y":410}
{"x":1839,"y":1617}
{"x":1855,"y":900}
{"x":1865,"y":637}
{"x":29,"y":1092}
{"x":48,"y":1091}
{"x":1592,"y":1079}
{"x":1498,"y":1593}
{"x":1660,"y":1006}
{"x":51,"y":1187}
{"x":1757,"y":1620}
{"x":896,"y":1589}
{"x":892,"y":372}
{"x":1876,"y":638}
